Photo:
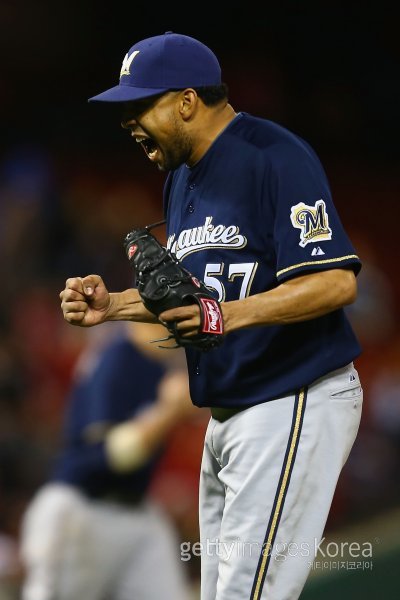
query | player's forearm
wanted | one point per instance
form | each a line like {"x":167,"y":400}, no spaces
{"x":300,"y":299}
{"x":155,"y":425}
{"x":132,"y":444}
{"x":128,"y":306}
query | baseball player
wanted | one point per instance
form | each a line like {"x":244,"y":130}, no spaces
{"x":249,"y":211}
{"x":91,"y":532}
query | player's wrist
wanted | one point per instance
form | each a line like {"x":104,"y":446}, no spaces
{"x":114,"y":309}
{"x":127,"y":306}
{"x":252,"y":311}
{"x":232,"y":317}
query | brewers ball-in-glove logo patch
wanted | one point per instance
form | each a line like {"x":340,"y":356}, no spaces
{"x":312,"y":221}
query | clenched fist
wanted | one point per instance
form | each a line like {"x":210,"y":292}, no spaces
{"x":85,"y":301}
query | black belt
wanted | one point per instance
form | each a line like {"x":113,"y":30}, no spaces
{"x":223,"y":414}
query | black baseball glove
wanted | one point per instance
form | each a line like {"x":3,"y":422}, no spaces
{"x":163,"y":283}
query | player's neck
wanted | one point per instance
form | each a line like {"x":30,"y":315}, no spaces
{"x":213,"y":124}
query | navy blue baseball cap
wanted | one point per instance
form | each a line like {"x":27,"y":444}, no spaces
{"x":165,"y":62}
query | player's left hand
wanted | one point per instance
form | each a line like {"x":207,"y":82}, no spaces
{"x":187,"y":319}
{"x":190,"y":312}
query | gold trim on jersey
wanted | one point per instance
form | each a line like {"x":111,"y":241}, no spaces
{"x":317,"y":262}
{"x":279,"y":501}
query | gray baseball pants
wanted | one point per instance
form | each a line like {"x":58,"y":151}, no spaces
{"x":268,"y":477}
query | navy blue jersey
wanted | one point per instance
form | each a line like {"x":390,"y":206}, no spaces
{"x":122,"y":383}
{"x":255,"y":211}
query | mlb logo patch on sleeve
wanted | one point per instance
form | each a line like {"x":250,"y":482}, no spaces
{"x":317,"y":251}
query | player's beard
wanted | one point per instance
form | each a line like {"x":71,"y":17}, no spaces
{"x":178,"y":151}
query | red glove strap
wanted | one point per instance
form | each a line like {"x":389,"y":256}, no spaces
{"x":212,"y":316}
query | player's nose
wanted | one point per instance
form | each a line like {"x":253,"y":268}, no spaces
{"x":128,"y":123}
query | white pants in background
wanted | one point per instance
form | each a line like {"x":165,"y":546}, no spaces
{"x":78,"y":549}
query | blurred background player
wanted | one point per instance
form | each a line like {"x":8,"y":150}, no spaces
{"x":91,"y":532}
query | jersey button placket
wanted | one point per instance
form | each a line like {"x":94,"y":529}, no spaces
{"x":191,"y":187}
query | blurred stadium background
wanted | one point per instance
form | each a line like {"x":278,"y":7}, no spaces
{"x":72,"y":183}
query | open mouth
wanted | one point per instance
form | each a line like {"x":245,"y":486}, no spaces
{"x":149,"y":146}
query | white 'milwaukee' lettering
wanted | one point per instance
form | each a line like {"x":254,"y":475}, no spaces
{"x":204,"y":237}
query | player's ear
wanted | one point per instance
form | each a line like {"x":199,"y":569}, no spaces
{"x":188,"y":103}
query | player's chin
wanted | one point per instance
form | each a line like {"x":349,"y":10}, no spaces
{"x":155,"y":155}
{"x":162,"y":164}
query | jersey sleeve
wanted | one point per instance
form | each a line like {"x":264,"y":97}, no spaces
{"x":308,"y":233}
